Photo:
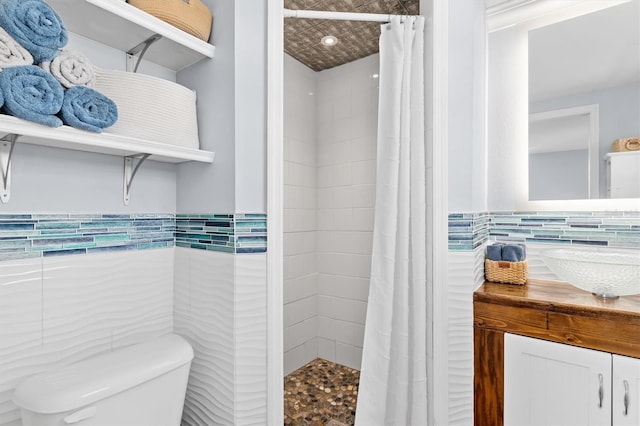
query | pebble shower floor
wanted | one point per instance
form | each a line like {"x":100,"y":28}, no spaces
{"x":321,"y":393}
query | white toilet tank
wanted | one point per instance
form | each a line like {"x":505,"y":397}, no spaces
{"x":140,"y":385}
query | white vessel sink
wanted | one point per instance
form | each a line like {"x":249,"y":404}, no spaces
{"x":607,"y":274}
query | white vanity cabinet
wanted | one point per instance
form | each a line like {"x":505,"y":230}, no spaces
{"x":623,"y":174}
{"x":548,"y":383}
{"x":626,"y":391}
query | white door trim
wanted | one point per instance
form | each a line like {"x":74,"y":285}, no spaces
{"x":275,"y":56}
{"x":440,"y":397}
{"x":592,"y":112}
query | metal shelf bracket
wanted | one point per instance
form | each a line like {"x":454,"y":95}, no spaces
{"x":140,"y":50}
{"x":130,"y":169}
{"x":6,"y":151}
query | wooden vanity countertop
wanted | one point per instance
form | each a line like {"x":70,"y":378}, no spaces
{"x":559,"y":312}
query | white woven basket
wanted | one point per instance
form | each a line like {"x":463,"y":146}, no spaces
{"x":151,"y":108}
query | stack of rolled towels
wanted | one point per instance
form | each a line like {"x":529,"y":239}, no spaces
{"x":42,"y":82}
{"x":506,"y":252}
{"x":506,"y":263}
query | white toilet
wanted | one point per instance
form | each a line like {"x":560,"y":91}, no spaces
{"x":139,"y":385}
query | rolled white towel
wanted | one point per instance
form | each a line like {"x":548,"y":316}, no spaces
{"x":71,"y":68}
{"x":12,"y":54}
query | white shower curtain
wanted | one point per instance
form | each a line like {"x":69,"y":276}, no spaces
{"x":393,"y":378}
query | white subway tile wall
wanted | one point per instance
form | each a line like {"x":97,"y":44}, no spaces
{"x":347,"y":127}
{"x":330,"y":173}
{"x":300,"y":286}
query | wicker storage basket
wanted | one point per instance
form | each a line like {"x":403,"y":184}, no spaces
{"x":191,"y":16}
{"x":151,"y":108}
{"x":506,"y":272}
{"x":626,"y":144}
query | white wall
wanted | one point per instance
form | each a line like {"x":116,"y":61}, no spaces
{"x":55,"y":311}
{"x":467,"y":138}
{"x":300,"y":271}
{"x":203,"y":314}
{"x":250,"y":106}
{"x":210,"y":187}
{"x":467,"y":192}
{"x":231,"y":114}
{"x":507,"y":109}
{"x":330,"y":173}
{"x":229,"y":381}
{"x":560,"y":175}
{"x":465,"y":273}
{"x":219,"y":307}
{"x":347,"y":127}
{"x":619,"y":109}
{"x":55,"y":180}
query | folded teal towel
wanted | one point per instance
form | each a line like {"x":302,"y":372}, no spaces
{"x":35,"y":25}
{"x":87,"y":109}
{"x":513,"y":252}
{"x":494,"y":252}
{"x":32,"y":93}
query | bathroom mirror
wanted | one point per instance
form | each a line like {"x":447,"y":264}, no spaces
{"x":589,"y":61}
{"x":563,"y":84}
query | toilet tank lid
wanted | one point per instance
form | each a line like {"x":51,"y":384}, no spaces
{"x":102,"y":376}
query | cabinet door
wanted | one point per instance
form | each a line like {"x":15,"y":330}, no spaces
{"x":626,"y":391}
{"x":624,"y":175}
{"x":551,"y":384}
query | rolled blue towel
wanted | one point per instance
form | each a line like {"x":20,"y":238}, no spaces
{"x":35,"y":25}
{"x":514,"y":252}
{"x":87,"y":109}
{"x":494,"y":252}
{"x":32,"y":93}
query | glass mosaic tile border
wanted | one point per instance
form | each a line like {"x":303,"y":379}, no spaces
{"x":607,"y":229}
{"x":468,"y":230}
{"x":42,"y":235}
{"x":231,"y":233}
{"x":35,"y":235}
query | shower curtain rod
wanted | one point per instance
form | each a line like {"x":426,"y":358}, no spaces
{"x":338,"y":16}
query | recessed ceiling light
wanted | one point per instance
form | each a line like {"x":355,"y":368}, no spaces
{"x":329,"y":40}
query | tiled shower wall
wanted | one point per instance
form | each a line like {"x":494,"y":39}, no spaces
{"x":347,"y":104}
{"x":330,"y":168}
{"x":300,"y":272}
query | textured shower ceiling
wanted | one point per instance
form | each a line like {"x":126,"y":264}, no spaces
{"x":355,"y":39}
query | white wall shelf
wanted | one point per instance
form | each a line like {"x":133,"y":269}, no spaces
{"x":102,"y":143}
{"x":122,"y":26}
{"x":134,"y":151}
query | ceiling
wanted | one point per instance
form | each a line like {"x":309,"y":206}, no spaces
{"x":355,"y":39}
